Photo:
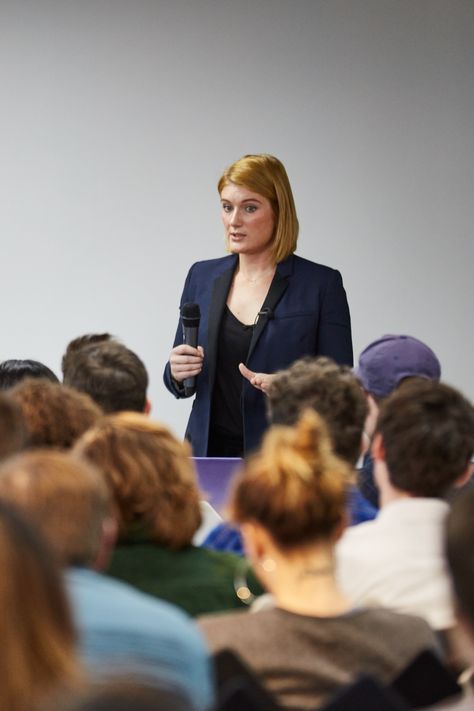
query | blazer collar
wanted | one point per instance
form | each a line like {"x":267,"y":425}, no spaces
{"x":218,"y":300}
{"x":277,"y":288}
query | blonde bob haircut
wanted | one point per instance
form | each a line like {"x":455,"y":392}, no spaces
{"x":294,"y":486}
{"x":150,"y":475}
{"x":266,"y":175}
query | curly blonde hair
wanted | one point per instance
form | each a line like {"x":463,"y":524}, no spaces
{"x":150,"y":474}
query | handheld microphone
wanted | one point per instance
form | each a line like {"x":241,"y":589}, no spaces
{"x":190,"y":318}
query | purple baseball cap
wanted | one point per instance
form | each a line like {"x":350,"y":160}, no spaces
{"x":384,"y":363}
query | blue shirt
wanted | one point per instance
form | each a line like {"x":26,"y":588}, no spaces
{"x":123,"y":631}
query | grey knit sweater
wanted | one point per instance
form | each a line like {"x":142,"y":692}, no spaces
{"x":303,"y":660}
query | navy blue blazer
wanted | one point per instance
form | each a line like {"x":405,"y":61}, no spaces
{"x":306,"y":314}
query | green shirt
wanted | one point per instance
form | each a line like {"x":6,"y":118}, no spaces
{"x":196,"y":579}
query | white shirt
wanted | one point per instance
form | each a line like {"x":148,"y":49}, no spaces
{"x":397,"y":561}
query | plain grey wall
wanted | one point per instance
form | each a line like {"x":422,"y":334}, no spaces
{"x":118,"y":117}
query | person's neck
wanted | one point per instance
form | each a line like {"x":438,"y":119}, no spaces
{"x":306,"y":584}
{"x":387,"y":492}
{"x":389,"y":495}
{"x":255,"y":266}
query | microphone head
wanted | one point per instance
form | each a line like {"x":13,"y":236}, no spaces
{"x":190,"y":315}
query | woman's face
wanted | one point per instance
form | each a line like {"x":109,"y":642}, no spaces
{"x":248,"y":220}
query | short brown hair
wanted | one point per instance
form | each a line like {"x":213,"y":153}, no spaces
{"x":66,"y":498}
{"x":150,"y":475}
{"x":266,"y":175}
{"x":109,"y":372}
{"x":460,"y":552}
{"x":427,"y":429}
{"x":54,"y":415}
{"x":331,"y":390}
{"x":295,"y":487}
{"x":12,"y":427}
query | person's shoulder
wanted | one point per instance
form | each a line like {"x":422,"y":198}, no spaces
{"x":213,"y":266}
{"x":304,"y":268}
{"x":303,"y":264}
{"x":358,"y":534}
{"x":103,"y":595}
{"x":404,"y":627}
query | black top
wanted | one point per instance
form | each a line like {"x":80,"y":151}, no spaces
{"x":226,"y":438}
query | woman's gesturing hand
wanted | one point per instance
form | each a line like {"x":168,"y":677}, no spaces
{"x":261,"y":381}
{"x":186,"y":362}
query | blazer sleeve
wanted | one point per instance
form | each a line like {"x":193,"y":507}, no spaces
{"x":186,"y":296}
{"x":334,"y":331}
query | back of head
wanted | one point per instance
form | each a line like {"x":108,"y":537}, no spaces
{"x":111,"y":374}
{"x":329,"y":389}
{"x":460,"y":554}
{"x":54,"y":414}
{"x":14,"y":370}
{"x":36,"y":628}
{"x":66,"y":498}
{"x":12,"y":427}
{"x":150,"y":475}
{"x":389,"y":360}
{"x":266,"y":175}
{"x":427,"y":431}
{"x":294,"y":487}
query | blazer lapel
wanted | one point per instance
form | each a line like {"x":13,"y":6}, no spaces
{"x":218,"y":300}
{"x":276,"y":291}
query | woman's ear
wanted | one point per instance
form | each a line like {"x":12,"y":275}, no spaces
{"x":254,"y":540}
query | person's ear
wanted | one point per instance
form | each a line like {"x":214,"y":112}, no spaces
{"x":372,"y":416}
{"x":254,"y":542}
{"x":108,"y":539}
{"x":465,"y":476}
{"x":147,"y":408}
{"x":378,"y":449}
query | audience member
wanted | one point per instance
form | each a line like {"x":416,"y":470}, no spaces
{"x":14,"y":370}
{"x":120,"y":629}
{"x":459,"y":537}
{"x":422,"y":447}
{"x":36,"y":628}
{"x":12,"y":427}
{"x":383,"y":366}
{"x":109,"y":372}
{"x":333,"y":391}
{"x":157,"y":502}
{"x":54,"y":415}
{"x":290,"y":502}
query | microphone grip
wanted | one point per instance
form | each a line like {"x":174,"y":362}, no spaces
{"x":190,"y":338}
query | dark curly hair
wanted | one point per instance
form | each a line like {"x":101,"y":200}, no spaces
{"x":332,"y":391}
